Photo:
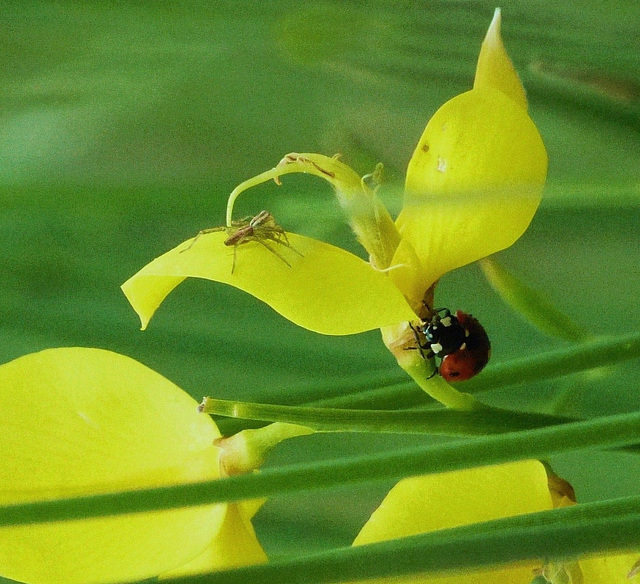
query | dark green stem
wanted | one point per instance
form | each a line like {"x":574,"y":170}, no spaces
{"x":445,"y":421}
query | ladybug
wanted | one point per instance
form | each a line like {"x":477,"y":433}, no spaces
{"x":460,"y":341}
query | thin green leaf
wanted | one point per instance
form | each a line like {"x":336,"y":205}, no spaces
{"x":532,"y":305}
{"x":566,"y":361}
{"x":554,"y":535}
{"x":600,"y":352}
{"x":591,"y":355}
{"x":604,"y":433}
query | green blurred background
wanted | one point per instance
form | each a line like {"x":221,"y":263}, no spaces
{"x":124,"y":126}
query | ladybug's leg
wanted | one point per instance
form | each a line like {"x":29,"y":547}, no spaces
{"x":445,"y":312}
{"x":420,"y":346}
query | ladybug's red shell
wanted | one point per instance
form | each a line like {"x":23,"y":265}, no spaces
{"x":472,"y":356}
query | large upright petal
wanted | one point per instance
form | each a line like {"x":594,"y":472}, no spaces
{"x":84,"y":421}
{"x":476,"y":177}
{"x":474,"y":182}
{"x":320,"y":287}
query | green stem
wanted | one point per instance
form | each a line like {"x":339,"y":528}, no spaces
{"x":602,"y":433}
{"x":247,"y":450}
{"x":367,"y":215}
{"x":566,"y":361}
{"x":602,"y":352}
{"x":398,"y":340}
{"x":446,"y":394}
{"x":271,"y":174}
{"x":447,"y":422}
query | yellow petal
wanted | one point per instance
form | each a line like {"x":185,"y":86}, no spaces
{"x":495,"y":69}
{"x":325,"y":289}
{"x":82,"y":421}
{"x":473,"y":183}
{"x":407,"y":273}
{"x":428,"y":503}
{"x":610,"y":569}
{"x":236,"y":545}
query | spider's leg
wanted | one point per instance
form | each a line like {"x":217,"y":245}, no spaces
{"x":287,"y":244}
{"x":279,"y":236}
{"x":271,"y":249}
{"x":202,"y":232}
{"x":235,"y":252}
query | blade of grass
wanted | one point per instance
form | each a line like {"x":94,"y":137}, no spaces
{"x":604,"y":433}
{"x":589,"y":355}
{"x":583,"y":357}
{"x":532,"y":305}
{"x":560,"y":534}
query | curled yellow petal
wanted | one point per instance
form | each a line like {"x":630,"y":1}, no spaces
{"x":367,"y":215}
{"x":341,"y":177}
{"x":439,"y":501}
{"x":84,"y":421}
{"x":495,"y":69}
{"x":318,"y":286}
{"x":474,"y":182}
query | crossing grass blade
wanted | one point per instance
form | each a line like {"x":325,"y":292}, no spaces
{"x":602,"y":433}
{"x":555,"y":535}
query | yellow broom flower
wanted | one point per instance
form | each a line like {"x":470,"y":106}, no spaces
{"x":82,"y":421}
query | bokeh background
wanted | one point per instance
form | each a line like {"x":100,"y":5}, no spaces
{"x":124,"y":125}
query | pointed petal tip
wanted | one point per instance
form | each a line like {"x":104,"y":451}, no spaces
{"x":495,"y":68}
{"x":494,"y":32}
{"x":494,"y":27}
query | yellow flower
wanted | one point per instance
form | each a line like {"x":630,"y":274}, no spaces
{"x":472,"y":187}
{"x":87,"y":421}
{"x":428,"y":503}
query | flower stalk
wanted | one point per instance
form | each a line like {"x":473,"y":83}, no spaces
{"x":247,"y":450}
